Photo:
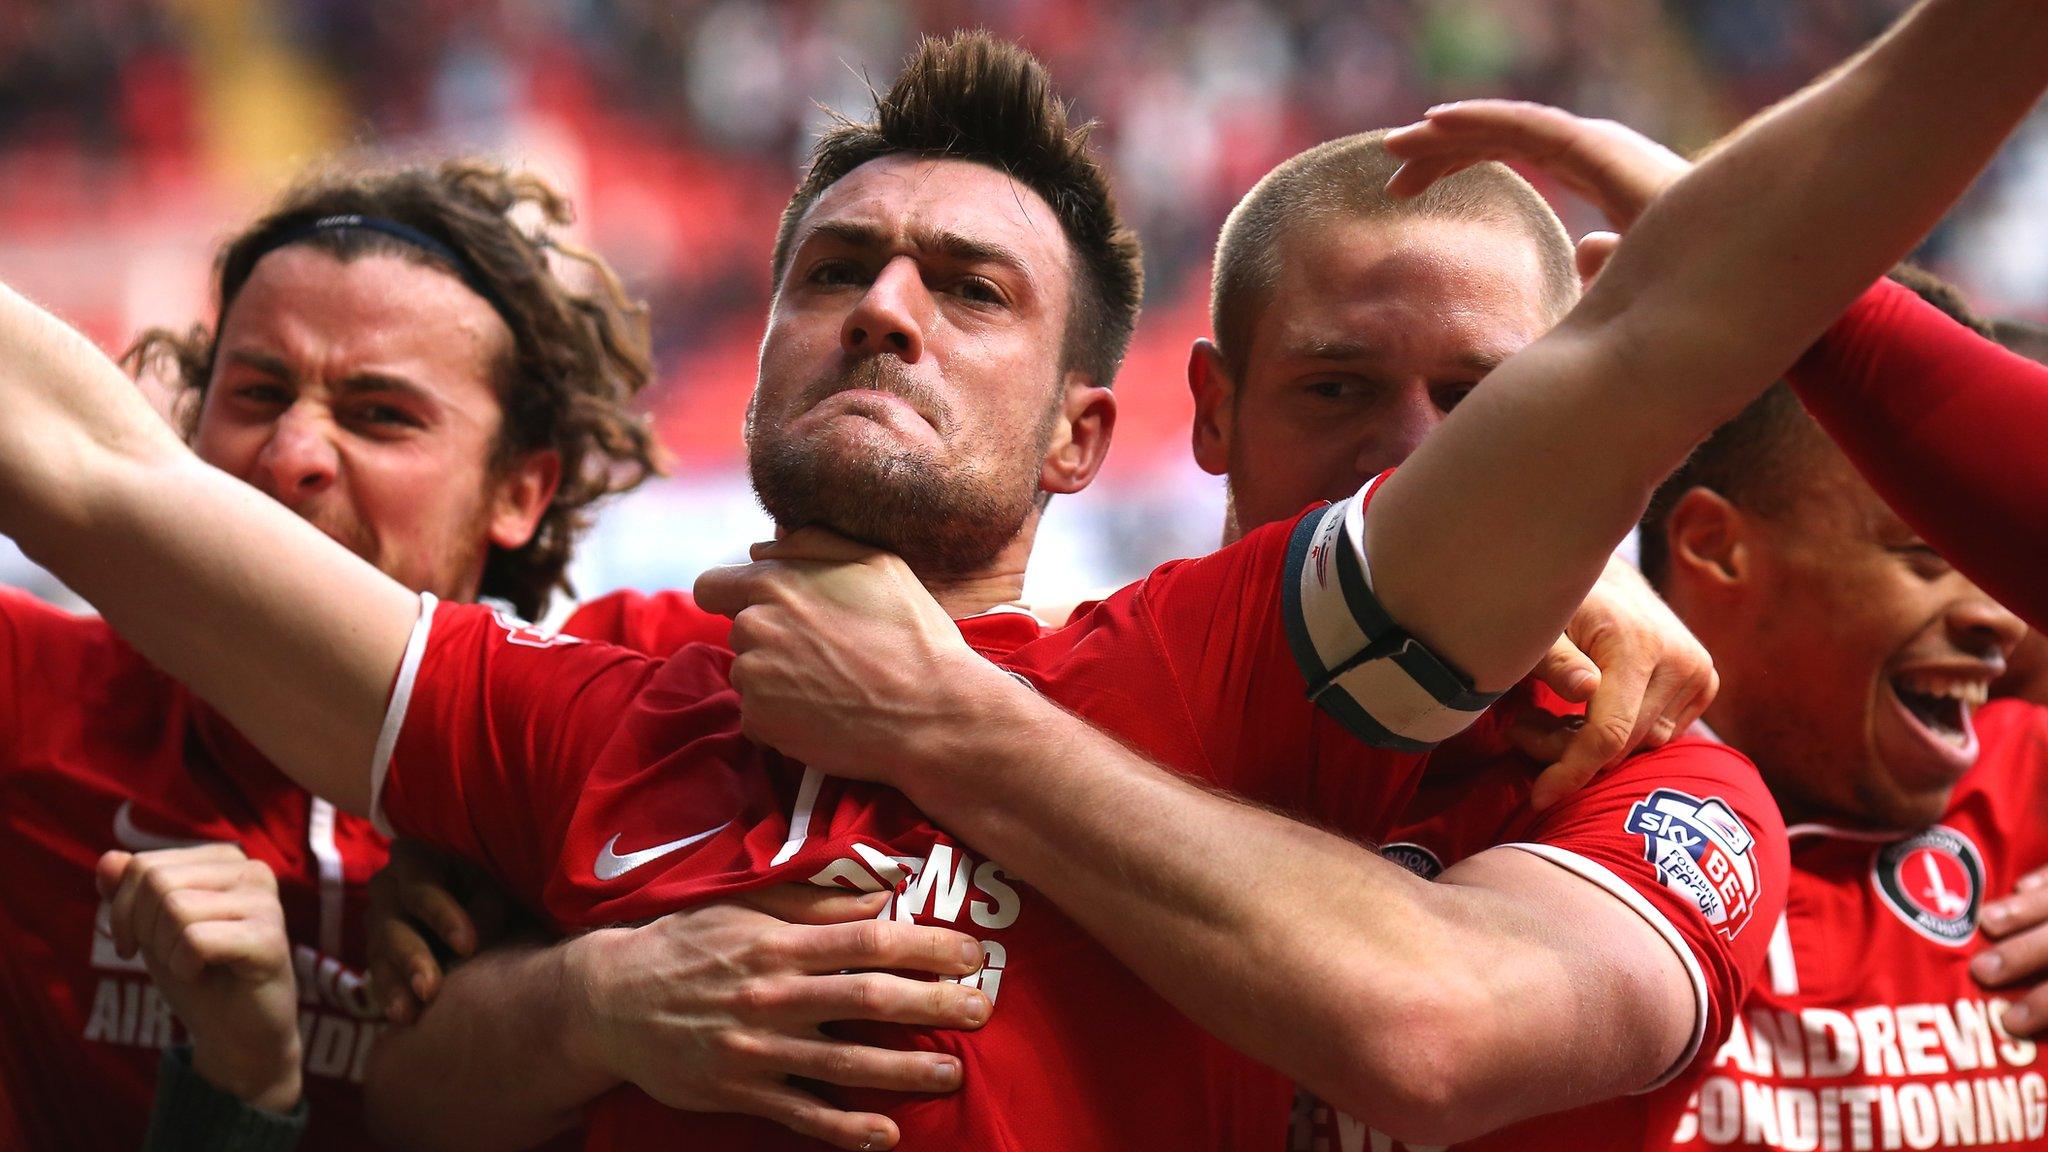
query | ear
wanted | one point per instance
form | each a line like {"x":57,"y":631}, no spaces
{"x":1708,"y":540}
{"x":1080,"y":437}
{"x":521,"y":497}
{"x":1592,"y":254}
{"x":1215,"y":392}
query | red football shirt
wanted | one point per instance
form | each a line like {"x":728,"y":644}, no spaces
{"x":1687,"y":836}
{"x":607,"y":787}
{"x":1865,"y":1030}
{"x":99,"y":750}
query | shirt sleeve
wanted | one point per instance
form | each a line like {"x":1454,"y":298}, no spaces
{"x":1947,"y":426}
{"x":191,"y":1114}
{"x":1689,"y":838}
{"x":491,"y":729}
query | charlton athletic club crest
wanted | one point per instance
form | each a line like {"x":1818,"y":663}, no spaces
{"x":1415,"y":858}
{"x":1933,"y":881}
{"x":1702,"y":852}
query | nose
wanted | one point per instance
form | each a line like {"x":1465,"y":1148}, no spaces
{"x":1403,"y":416}
{"x":1980,"y":624}
{"x":299,"y":459}
{"x":889,"y":316}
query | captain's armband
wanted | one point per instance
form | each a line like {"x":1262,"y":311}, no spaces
{"x":1385,"y":686}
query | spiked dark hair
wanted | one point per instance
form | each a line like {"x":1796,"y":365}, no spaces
{"x":971,"y":96}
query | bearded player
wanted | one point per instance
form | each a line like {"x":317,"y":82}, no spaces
{"x":491,"y":1024}
{"x":397,"y":363}
{"x":455,"y":755}
{"x":1635,"y":845}
{"x":1349,"y":323}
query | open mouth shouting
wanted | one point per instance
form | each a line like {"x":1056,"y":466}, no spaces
{"x":1943,"y":704}
{"x":1930,"y":734}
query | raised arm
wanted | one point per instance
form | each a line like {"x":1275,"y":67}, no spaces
{"x":293,"y":638}
{"x":1936,"y":417}
{"x":1484,"y":542}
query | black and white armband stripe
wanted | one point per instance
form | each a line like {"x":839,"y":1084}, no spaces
{"x":1362,"y":667}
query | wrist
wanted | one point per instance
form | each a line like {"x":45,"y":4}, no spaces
{"x":584,"y":963}
{"x":990,"y":717}
{"x":265,"y":1076}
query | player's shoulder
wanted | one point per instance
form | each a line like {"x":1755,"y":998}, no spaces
{"x":2012,"y":754}
{"x":2008,"y":726}
{"x":21,"y":610}
{"x":655,"y":623}
{"x":2011,"y":771}
{"x":1261,"y":551}
{"x":1688,"y":757}
{"x":60,"y":641}
{"x":1690,"y":781}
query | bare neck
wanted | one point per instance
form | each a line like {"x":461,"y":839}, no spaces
{"x":1000,"y":581}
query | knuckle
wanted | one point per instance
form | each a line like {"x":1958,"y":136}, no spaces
{"x":753,"y":998}
{"x":150,"y":875}
{"x":1605,"y":739}
{"x":871,"y":938}
{"x":943,"y":947}
{"x":738,"y":1045}
{"x":258,"y":875}
{"x":749,"y":627}
{"x":869,"y":994}
{"x":840,"y":1064}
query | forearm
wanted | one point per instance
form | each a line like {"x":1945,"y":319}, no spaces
{"x":1719,"y":287}
{"x":486,"y":1066}
{"x":295,"y":639}
{"x":1948,"y":427}
{"x":1262,"y":929}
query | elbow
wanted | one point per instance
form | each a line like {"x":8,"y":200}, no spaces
{"x":1422,"y":1072}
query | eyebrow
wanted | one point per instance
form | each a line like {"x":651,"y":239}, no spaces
{"x":353,"y":384}
{"x":952,"y":245}
{"x":1342,"y":350}
{"x":1323,"y":348}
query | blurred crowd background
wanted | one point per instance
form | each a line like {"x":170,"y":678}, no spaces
{"x":135,"y":133}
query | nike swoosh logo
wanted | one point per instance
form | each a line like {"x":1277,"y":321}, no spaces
{"x":611,"y":865}
{"x":134,"y":839}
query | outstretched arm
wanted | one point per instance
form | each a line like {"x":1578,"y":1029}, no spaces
{"x":296,"y":640}
{"x":1766,"y":241}
{"x":1939,"y":419}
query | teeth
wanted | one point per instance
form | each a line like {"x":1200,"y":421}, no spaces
{"x":1973,"y":692}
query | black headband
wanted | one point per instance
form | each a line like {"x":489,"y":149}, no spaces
{"x":404,"y":233}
